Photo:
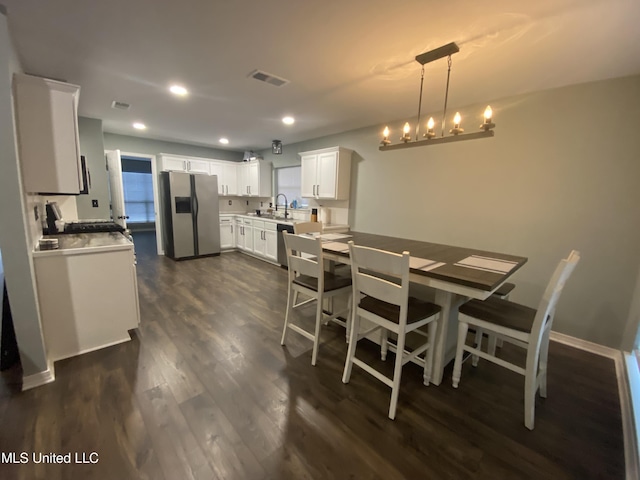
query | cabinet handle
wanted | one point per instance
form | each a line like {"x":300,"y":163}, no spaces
{"x":186,"y":166}
{"x":314,"y":191}
{"x":231,"y":229}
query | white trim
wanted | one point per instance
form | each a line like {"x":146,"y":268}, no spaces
{"x":631,"y":415}
{"x":585,"y":345}
{"x":40,"y":378}
{"x":629,"y":430}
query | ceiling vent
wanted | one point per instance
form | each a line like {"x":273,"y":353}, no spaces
{"x":268,"y":78}
{"x":120,"y":105}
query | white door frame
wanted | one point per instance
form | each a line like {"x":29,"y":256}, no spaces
{"x":156,"y":198}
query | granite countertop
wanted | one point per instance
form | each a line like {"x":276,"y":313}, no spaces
{"x":79,"y":243}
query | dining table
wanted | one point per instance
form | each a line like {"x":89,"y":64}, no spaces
{"x":456,"y":274}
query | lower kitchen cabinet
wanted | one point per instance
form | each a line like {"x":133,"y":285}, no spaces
{"x":244,"y":235}
{"x":88,"y":299}
{"x":227,"y":233}
{"x":265,"y":240}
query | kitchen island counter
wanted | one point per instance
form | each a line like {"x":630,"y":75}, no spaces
{"x":81,"y":243}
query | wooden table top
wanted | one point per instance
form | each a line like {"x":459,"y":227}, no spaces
{"x":471,"y":277}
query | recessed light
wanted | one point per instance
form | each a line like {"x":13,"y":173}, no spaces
{"x":224,"y":141}
{"x":288,"y":120}
{"x":178,"y":90}
{"x":139,"y":126}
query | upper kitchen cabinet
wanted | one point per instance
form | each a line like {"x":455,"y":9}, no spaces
{"x":326,"y":173}
{"x":47,"y":122}
{"x":172,"y":163}
{"x":254,"y":178}
{"x":227,"y":173}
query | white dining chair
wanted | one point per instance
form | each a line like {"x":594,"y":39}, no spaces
{"x":503,"y":291}
{"x":381,"y":296}
{"x":307,"y":276}
{"x":524,"y":326}
{"x":307,"y":227}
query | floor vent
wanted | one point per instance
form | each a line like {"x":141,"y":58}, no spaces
{"x":268,"y":78}
{"x":120,"y":105}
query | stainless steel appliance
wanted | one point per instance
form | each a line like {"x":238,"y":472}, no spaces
{"x":282,"y":251}
{"x":191,"y":214}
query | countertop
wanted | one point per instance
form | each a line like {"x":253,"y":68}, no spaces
{"x":331,"y":227}
{"x":81,"y":243}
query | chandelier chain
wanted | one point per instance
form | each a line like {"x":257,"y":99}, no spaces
{"x":420,"y":102}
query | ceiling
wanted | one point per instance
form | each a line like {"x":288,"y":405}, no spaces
{"x":350,"y":63}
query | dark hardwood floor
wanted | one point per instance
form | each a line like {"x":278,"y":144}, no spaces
{"x":204,"y":391}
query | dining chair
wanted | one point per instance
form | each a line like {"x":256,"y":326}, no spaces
{"x":503,"y":291}
{"x":307,"y":276}
{"x":381,"y":296}
{"x":307,"y":227}
{"x":524,"y":326}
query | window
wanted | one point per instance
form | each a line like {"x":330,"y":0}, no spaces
{"x":288,"y":182}
{"x":138,"y":190}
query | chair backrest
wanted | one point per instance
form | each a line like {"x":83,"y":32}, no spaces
{"x":295,"y":246}
{"x":382,"y":275}
{"x":547,"y":306}
{"x":307,"y":227}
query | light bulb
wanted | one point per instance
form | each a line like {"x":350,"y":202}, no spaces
{"x":488,"y":113}
{"x":457,"y":119}
{"x":406,"y":128}
{"x":385,"y":133}
{"x":431,"y":123}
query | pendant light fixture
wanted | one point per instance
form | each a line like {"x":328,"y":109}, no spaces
{"x":430,"y":137}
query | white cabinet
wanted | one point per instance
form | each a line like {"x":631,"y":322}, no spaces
{"x":326,"y":173}
{"x":47,"y":123}
{"x":265,"y":240}
{"x":172,"y":163}
{"x":227,"y":233}
{"x":254,"y":178}
{"x":244,"y":238}
{"x":227,"y":173}
{"x":82,"y":310}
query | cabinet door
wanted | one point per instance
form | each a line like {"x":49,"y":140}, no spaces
{"x":226,"y":233}
{"x":243,"y":179}
{"x":248,"y":238}
{"x":253,"y":179}
{"x":258,"y":241}
{"x":271,"y":245}
{"x":174,"y":164}
{"x":308,"y":175}
{"x":217,"y":169}
{"x":327,"y":175}
{"x":47,"y":127}
{"x":230,"y":176}
{"x":239,"y":235}
{"x":198,"y":166}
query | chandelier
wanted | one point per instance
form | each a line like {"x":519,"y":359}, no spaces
{"x":430,"y":137}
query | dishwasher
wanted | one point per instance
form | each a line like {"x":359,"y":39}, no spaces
{"x":282,"y":251}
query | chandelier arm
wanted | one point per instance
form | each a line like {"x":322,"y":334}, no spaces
{"x":446,"y":96}
{"x":420,"y":103}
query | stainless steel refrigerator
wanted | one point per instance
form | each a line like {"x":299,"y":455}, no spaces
{"x":191,"y":214}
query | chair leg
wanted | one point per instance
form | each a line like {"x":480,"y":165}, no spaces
{"x":295,"y":298}
{"x":491,"y":348}
{"x":428,"y":358}
{"x":316,"y":336}
{"x":351,"y":351}
{"x":397,"y":375}
{"x":499,"y":343}
{"x":463,"y":328}
{"x":544,"y":353}
{"x":348,"y":322}
{"x":479,"y":338}
{"x":291,"y":296}
{"x":384,"y":343}
{"x":529,"y":399}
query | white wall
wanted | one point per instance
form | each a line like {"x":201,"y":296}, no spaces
{"x":15,"y":233}
{"x":561,"y":173}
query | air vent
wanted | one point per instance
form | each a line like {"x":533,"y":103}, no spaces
{"x":120,"y":105}
{"x":268,"y":78}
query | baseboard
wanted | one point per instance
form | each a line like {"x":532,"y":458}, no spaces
{"x":629,"y":430}
{"x":38,"y":379}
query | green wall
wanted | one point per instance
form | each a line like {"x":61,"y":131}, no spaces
{"x":561,"y":173}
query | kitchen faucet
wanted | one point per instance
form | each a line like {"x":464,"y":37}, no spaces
{"x":285,"y":204}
